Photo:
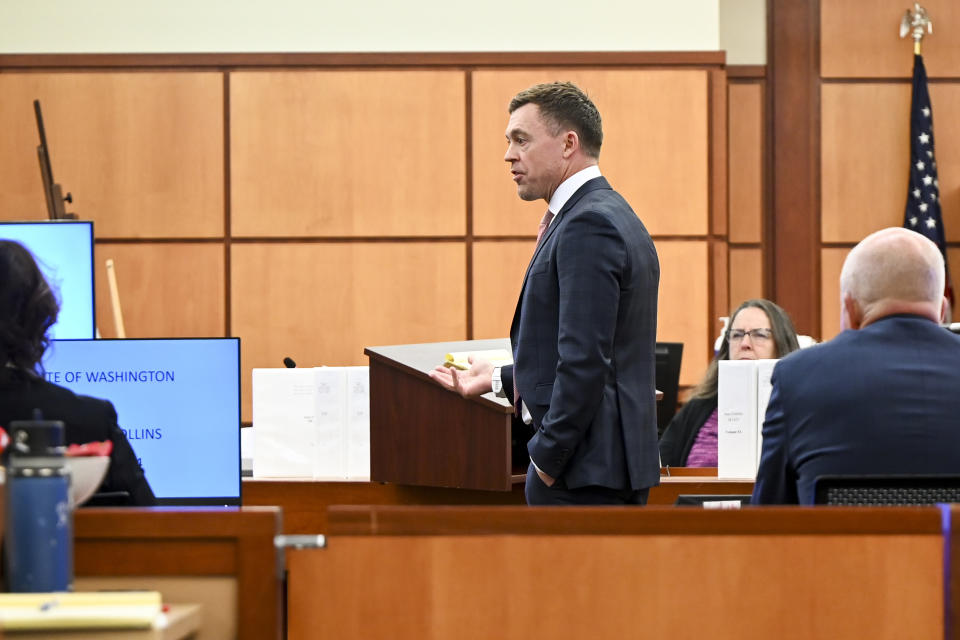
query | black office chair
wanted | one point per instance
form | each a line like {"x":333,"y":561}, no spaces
{"x":668,"y":358}
{"x":892,"y":490}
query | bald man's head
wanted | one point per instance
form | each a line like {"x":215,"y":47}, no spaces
{"x":894,"y":270}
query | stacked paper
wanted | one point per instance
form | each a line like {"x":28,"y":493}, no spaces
{"x":737,"y":419}
{"x":743,"y":391}
{"x":312,"y":423}
{"x":79,"y":610}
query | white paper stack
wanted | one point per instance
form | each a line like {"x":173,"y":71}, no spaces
{"x":284,"y":423}
{"x":312,"y":423}
{"x":358,"y":423}
{"x":764,"y":373}
{"x":743,"y":391}
{"x":737,"y":419}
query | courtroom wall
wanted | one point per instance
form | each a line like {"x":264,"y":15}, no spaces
{"x":865,"y":80}
{"x":317,"y":207}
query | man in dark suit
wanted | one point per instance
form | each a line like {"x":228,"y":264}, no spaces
{"x":584,"y":330}
{"x":880,"y":398}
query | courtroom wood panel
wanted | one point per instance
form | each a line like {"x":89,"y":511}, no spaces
{"x":142,"y":153}
{"x":720,"y":293}
{"x":165,"y":289}
{"x":717,"y":169}
{"x":348,"y":153}
{"x":445,"y":583}
{"x":683,"y":308}
{"x":860,"y":39}
{"x":223,"y":544}
{"x":831,"y":262}
{"x":794,"y":111}
{"x":746,"y":159}
{"x":746,"y":276}
{"x":322,"y":303}
{"x":498,"y":271}
{"x":865,"y":157}
{"x":306,"y":502}
{"x":655,"y":150}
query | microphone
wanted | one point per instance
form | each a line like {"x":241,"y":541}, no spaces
{"x":289,"y":363}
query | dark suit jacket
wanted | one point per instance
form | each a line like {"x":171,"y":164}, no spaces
{"x":86,"y":420}
{"x":881,"y":400}
{"x":583,"y":337}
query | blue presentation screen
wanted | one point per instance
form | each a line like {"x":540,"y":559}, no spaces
{"x":178,"y":401}
{"x":64,"y":252}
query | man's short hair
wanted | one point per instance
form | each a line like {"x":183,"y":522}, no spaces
{"x":568,"y":107}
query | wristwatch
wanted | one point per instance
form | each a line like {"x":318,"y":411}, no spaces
{"x":495,"y":382}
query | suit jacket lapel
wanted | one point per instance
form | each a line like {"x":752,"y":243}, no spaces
{"x":591,"y":185}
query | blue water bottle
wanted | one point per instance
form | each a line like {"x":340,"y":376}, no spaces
{"x":39,"y":541}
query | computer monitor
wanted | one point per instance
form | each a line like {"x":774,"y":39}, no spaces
{"x":178,"y":401}
{"x":64,"y":253}
{"x":668,"y":358}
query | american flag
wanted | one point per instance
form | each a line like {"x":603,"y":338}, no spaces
{"x":922,"y":213}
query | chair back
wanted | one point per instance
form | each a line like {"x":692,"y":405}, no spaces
{"x":890,"y":490}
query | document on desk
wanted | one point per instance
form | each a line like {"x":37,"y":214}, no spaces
{"x":312,"y":423}
{"x":358,"y":423}
{"x":79,"y":610}
{"x":284,"y":422}
{"x":764,"y":373}
{"x":737,"y":419}
{"x":330,"y":459}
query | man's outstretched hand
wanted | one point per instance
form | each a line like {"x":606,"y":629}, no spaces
{"x":474,"y":381}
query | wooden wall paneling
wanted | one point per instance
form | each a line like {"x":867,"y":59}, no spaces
{"x":322,"y":303}
{"x":445,"y":586}
{"x":831,"y":261}
{"x":142,"y":153}
{"x":793,"y":52}
{"x":746,"y":126}
{"x":953,"y":263}
{"x":746,"y":275}
{"x":683,"y":307}
{"x":865,"y":157}
{"x":720,"y":276}
{"x":718,"y":114}
{"x":348,"y":153}
{"x":166,"y":289}
{"x":860,"y":39}
{"x":655,"y":151}
{"x":498,"y":270}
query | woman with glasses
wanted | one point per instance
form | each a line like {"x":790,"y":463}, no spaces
{"x":759,"y":329}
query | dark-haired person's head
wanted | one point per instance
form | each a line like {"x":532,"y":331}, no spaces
{"x":554,"y":132}
{"x":28,"y":308}
{"x":565,"y":106}
{"x":758,"y":329}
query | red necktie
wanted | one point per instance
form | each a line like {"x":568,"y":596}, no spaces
{"x":542,"y":229}
{"x":544,"y":224}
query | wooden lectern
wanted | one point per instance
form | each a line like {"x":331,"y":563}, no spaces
{"x":422,"y":434}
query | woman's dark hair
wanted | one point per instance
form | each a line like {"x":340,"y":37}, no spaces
{"x":784,"y":338}
{"x":28,"y":309}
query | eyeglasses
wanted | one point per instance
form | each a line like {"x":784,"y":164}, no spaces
{"x":736,"y":335}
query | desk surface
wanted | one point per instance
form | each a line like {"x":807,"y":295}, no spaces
{"x":183,"y":621}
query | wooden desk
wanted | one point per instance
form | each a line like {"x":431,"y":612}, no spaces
{"x":305,"y":502}
{"x":183,"y":621}
{"x":178,"y":550}
{"x":518,"y":573}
